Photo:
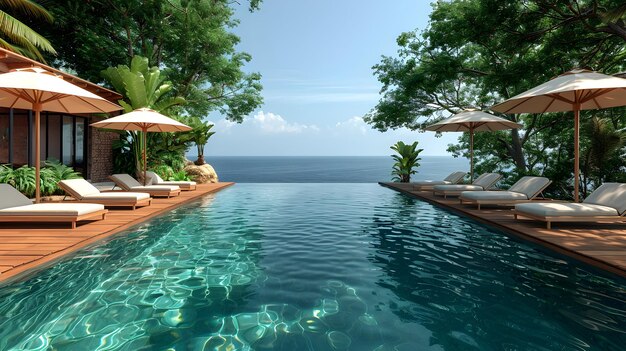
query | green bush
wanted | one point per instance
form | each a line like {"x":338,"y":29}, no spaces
{"x":23,"y":178}
{"x":406,"y":160}
{"x":164,"y":171}
{"x":180,"y":175}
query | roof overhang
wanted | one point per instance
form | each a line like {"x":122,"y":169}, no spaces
{"x":10,"y":60}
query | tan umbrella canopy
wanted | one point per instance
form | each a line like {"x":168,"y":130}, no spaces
{"x":39,"y":90}
{"x":144,"y":120}
{"x":572,"y":91}
{"x":472,"y":121}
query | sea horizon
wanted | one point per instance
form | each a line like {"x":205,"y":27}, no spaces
{"x":325,"y":169}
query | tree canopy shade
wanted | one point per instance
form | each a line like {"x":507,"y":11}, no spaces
{"x":19,"y":37}
{"x":188,"y":39}
{"x":476,"y":53}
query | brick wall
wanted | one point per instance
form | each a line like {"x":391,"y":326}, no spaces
{"x":100,"y":156}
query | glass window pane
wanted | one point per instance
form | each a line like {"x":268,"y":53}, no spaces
{"x":20,"y":138}
{"x":4,"y":138}
{"x":80,"y":143}
{"x":68,"y":140}
{"x":54,"y":137}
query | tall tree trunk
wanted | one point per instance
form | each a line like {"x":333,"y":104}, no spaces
{"x":517,"y":151}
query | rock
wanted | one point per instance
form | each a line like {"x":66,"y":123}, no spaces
{"x":202,"y":174}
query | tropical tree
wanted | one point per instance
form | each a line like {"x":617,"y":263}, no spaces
{"x":200,"y":135}
{"x":17,"y":36}
{"x":481,"y":52}
{"x":406,"y":161}
{"x":190,"y":41}
{"x":143,"y":86}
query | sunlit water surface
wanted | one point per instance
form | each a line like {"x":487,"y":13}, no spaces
{"x":314,"y":267}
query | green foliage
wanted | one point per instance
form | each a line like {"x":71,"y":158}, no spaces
{"x":23,"y":178}
{"x":200,"y":135}
{"x":406,"y":160}
{"x":164,"y":171}
{"x":191,"y":41}
{"x":476,"y":53}
{"x":180,"y":176}
{"x":17,"y":36}
{"x":144,"y":86}
{"x":600,"y":157}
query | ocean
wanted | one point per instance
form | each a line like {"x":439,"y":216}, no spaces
{"x":325,"y":169}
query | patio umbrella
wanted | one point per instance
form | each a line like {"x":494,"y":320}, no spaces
{"x":472,"y":121}
{"x":144,"y":120}
{"x":39,"y":90}
{"x":572,"y":91}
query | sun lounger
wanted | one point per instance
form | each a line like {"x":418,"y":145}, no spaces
{"x":15,"y":207}
{"x":606,"y":204}
{"x":83,"y":191}
{"x":182,"y":184}
{"x":524,"y":190}
{"x":453,"y":178}
{"x":482,"y":183}
{"x":129,"y":183}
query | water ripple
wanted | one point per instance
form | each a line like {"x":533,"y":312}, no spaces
{"x":314,"y":267}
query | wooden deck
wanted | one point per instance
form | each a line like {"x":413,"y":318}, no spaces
{"x":600,"y":244}
{"x":25,"y":247}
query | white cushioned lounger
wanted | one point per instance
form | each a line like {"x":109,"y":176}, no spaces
{"x":83,"y":191}
{"x":606,"y":204}
{"x":154,"y":179}
{"x":483,"y":182}
{"x":15,"y":207}
{"x":453,"y":178}
{"x":525,"y":189}
{"x":129,"y":183}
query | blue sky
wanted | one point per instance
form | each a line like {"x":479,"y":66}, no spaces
{"x":316,"y":59}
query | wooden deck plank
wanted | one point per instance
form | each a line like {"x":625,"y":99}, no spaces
{"x":25,"y":247}
{"x":600,"y":244}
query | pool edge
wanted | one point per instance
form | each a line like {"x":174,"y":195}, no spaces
{"x":21,"y":271}
{"x":466,"y":211}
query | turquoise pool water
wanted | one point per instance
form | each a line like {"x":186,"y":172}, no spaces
{"x":314,"y":267}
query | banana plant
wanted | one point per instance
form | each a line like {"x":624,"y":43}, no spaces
{"x":141,"y":86}
{"x":407,"y":160}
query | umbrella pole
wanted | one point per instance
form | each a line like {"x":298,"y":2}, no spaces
{"x":471,"y":154}
{"x":576,"y":151}
{"x":37,"y":108}
{"x":145,"y":149}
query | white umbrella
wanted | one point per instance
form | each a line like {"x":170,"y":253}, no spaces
{"x":472,"y":121}
{"x":572,"y":91}
{"x":144,"y":120}
{"x":39,"y":90}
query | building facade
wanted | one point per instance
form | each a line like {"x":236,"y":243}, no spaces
{"x":64,"y":137}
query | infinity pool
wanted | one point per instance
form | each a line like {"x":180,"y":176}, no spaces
{"x":314,"y":267}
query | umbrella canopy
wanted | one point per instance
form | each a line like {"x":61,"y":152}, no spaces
{"x":144,"y":120}
{"x":472,"y":121}
{"x":39,"y":90}
{"x":575,"y":90}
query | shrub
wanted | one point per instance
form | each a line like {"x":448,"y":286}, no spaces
{"x":164,"y":171}
{"x":23,"y":178}
{"x":406,"y":160}
{"x":180,"y":175}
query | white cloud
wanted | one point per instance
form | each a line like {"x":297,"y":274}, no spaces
{"x":355,"y":123}
{"x":272,"y":123}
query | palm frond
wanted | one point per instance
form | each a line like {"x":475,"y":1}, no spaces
{"x":28,"y":8}
{"x":20,"y":34}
